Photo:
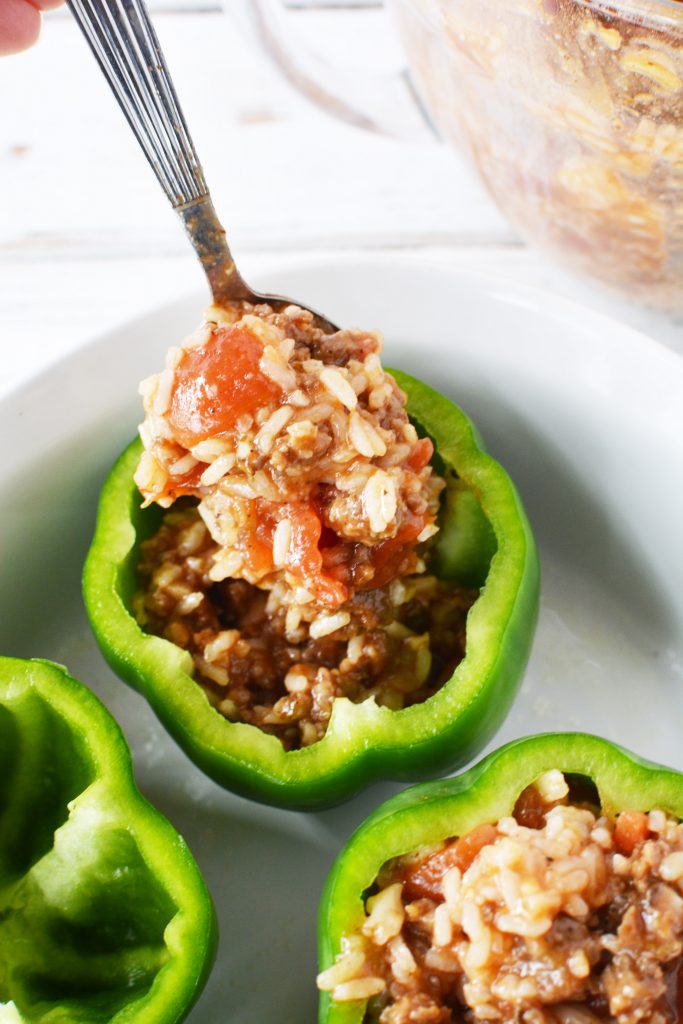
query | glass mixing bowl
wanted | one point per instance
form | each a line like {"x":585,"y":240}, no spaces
{"x":571,"y":111}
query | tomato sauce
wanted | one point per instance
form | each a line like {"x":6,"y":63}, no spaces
{"x":388,"y":556}
{"x":420,"y":455}
{"x":630,"y":831}
{"x":304,"y":558}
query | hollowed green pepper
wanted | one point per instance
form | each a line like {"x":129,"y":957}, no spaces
{"x":425,"y":815}
{"x":104,"y":917}
{"x":485,"y":541}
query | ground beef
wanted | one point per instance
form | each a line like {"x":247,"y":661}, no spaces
{"x":261,"y":665}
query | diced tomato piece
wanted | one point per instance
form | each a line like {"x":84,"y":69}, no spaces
{"x":217,"y":383}
{"x":388,"y":556}
{"x":630,"y":831}
{"x":469,"y":845}
{"x":421,"y":454}
{"x":304,"y":558}
{"x":425,"y":879}
{"x":258,"y":556}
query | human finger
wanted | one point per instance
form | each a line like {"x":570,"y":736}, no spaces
{"x":19,"y":25}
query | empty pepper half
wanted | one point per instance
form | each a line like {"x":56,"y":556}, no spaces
{"x":543,"y":885}
{"x":104,"y":917}
{"x":484,"y":542}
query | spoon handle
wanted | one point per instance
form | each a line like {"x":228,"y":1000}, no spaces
{"x":122,"y":38}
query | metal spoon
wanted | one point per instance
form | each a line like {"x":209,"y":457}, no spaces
{"x":121,"y":36}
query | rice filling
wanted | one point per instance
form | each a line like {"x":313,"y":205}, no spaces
{"x":293,"y":560}
{"x":555,"y":915}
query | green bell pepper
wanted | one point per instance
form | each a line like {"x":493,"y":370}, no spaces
{"x":104,"y":917}
{"x":427,"y":814}
{"x":485,"y":541}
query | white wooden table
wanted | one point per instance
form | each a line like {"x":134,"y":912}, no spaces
{"x":87,"y":239}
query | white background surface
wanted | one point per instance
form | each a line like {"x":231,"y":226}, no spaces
{"x":86,"y":236}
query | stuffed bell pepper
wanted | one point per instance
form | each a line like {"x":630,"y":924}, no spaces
{"x":104,"y":917}
{"x":543,"y":886}
{"x":328,"y":581}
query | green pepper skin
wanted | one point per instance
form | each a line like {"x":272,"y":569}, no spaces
{"x":427,"y":814}
{"x":104,"y":916}
{"x":364,"y":742}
